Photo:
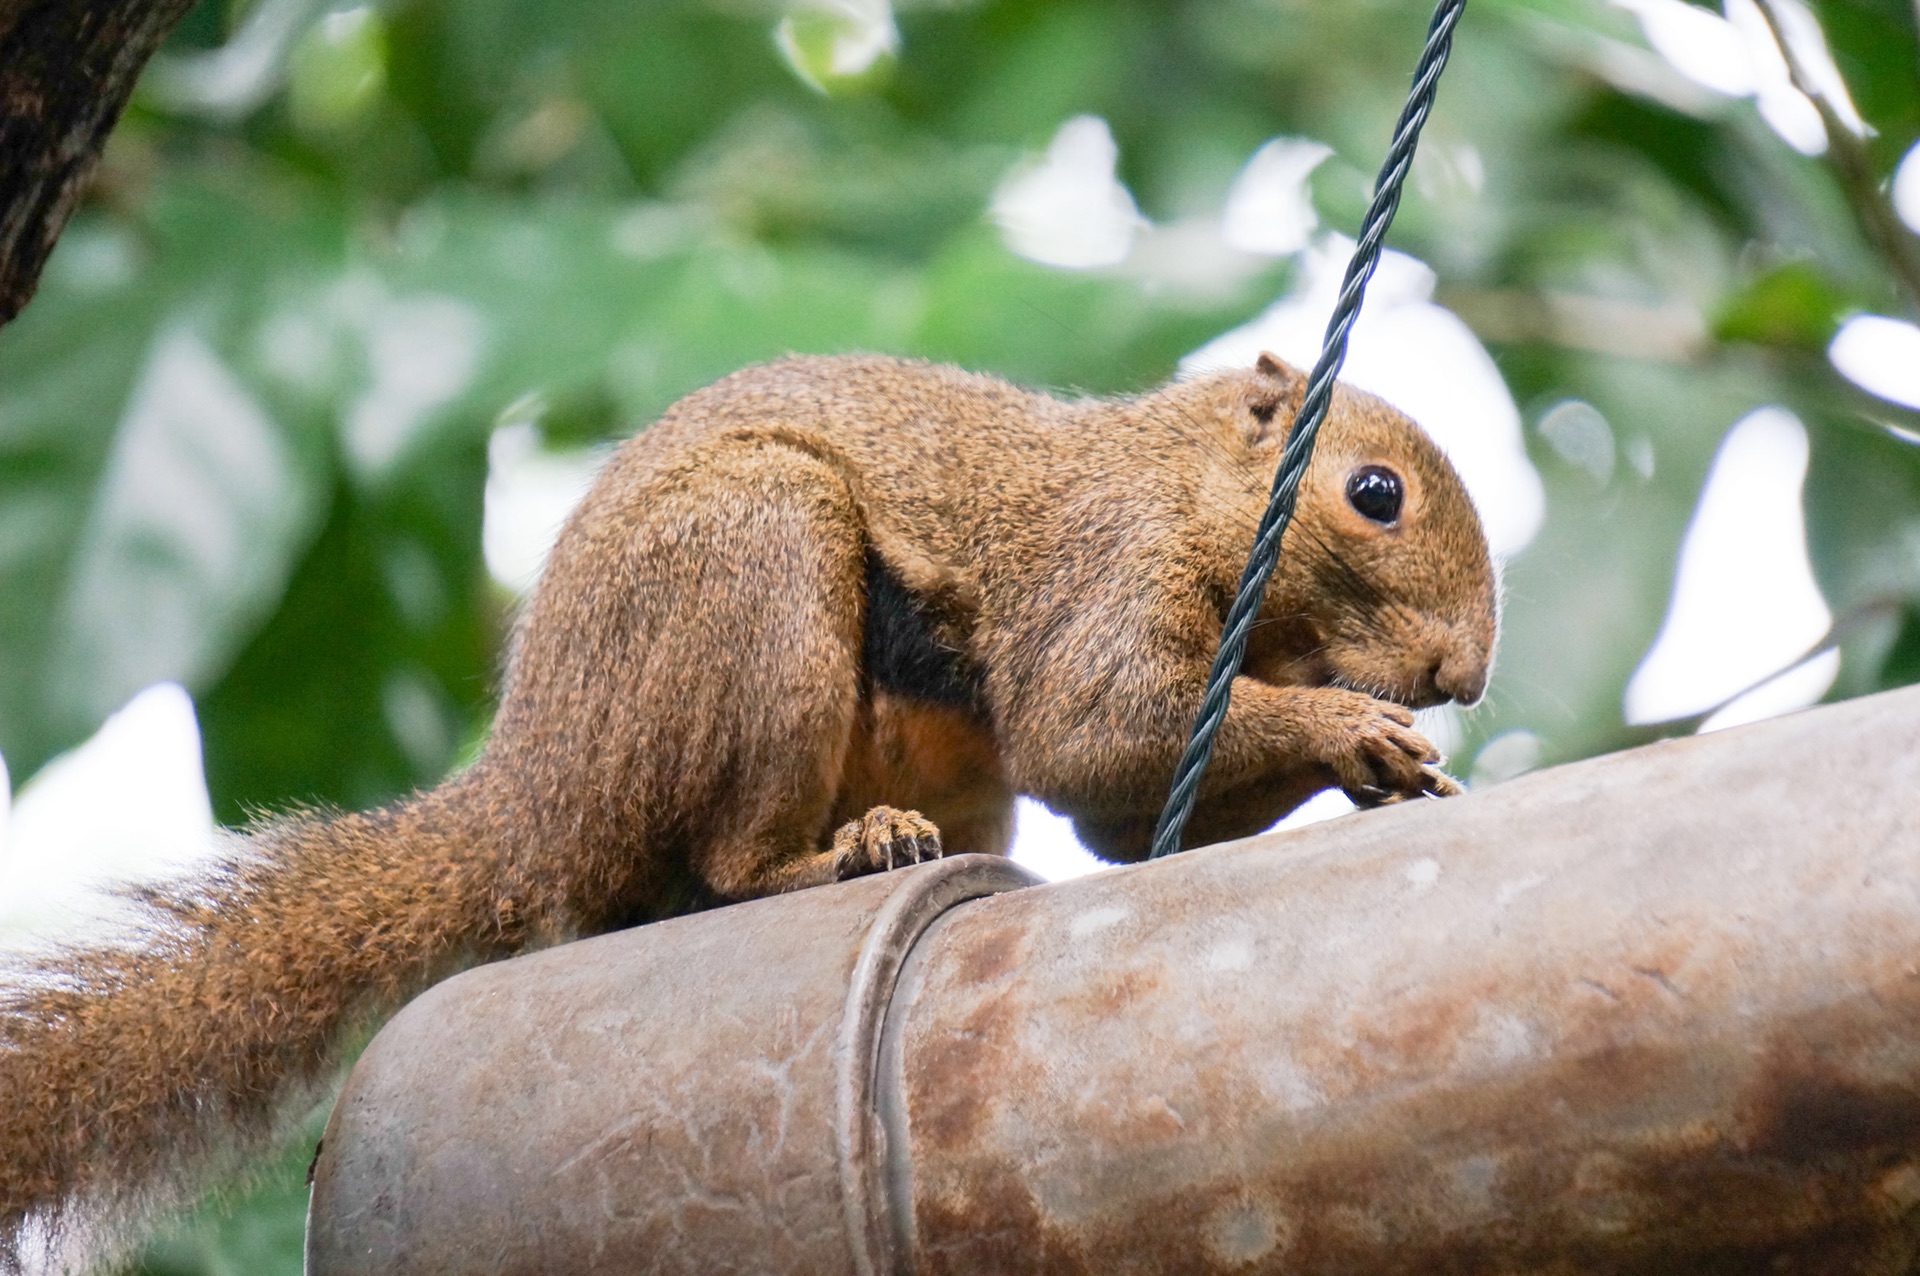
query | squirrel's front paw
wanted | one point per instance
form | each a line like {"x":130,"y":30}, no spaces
{"x":1373,"y":750}
{"x":885,"y":838}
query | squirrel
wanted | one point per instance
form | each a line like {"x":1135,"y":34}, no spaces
{"x":825,"y":617}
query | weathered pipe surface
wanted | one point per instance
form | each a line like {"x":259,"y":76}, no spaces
{"x":1655,"y":1012}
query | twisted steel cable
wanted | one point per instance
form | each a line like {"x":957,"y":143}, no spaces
{"x":1313,"y":410}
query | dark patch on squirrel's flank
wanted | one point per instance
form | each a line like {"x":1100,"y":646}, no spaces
{"x":904,"y":653}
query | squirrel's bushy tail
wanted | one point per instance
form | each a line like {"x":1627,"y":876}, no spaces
{"x":131,"y":1070}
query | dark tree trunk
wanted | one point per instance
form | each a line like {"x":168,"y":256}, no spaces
{"x":66,"y":70}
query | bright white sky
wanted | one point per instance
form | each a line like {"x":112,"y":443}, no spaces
{"x":132,"y":801}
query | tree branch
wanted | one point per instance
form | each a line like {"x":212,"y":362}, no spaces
{"x":67,"y":68}
{"x":1895,"y":244}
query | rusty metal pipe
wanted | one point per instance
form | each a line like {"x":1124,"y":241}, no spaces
{"x":1653,"y":1012}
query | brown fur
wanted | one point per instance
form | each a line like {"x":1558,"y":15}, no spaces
{"x":687,"y":719}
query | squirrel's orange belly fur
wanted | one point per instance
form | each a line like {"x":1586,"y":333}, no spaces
{"x":934,"y":759}
{"x":826,"y":617}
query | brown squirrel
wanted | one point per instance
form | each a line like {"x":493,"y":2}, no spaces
{"x":814,"y":601}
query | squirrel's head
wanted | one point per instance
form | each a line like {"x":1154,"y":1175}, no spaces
{"x":1385,"y":583}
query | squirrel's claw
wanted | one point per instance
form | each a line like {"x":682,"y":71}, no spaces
{"x":1368,"y":796}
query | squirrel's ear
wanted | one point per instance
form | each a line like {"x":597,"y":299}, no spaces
{"x":1272,"y":365}
{"x":1275,"y":382}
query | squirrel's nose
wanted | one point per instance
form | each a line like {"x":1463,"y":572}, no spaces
{"x":1460,"y":677}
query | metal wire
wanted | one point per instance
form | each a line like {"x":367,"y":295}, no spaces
{"x":1299,"y":449}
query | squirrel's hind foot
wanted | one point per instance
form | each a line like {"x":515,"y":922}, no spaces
{"x":885,"y":838}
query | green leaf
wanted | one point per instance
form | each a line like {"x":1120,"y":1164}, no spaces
{"x":1792,"y":305}
{"x":173,"y":492}
{"x":337,"y":70}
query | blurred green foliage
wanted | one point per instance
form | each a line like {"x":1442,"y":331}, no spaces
{"x":586,"y":208}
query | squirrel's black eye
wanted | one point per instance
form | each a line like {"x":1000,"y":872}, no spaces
{"x":1376,"y":492}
